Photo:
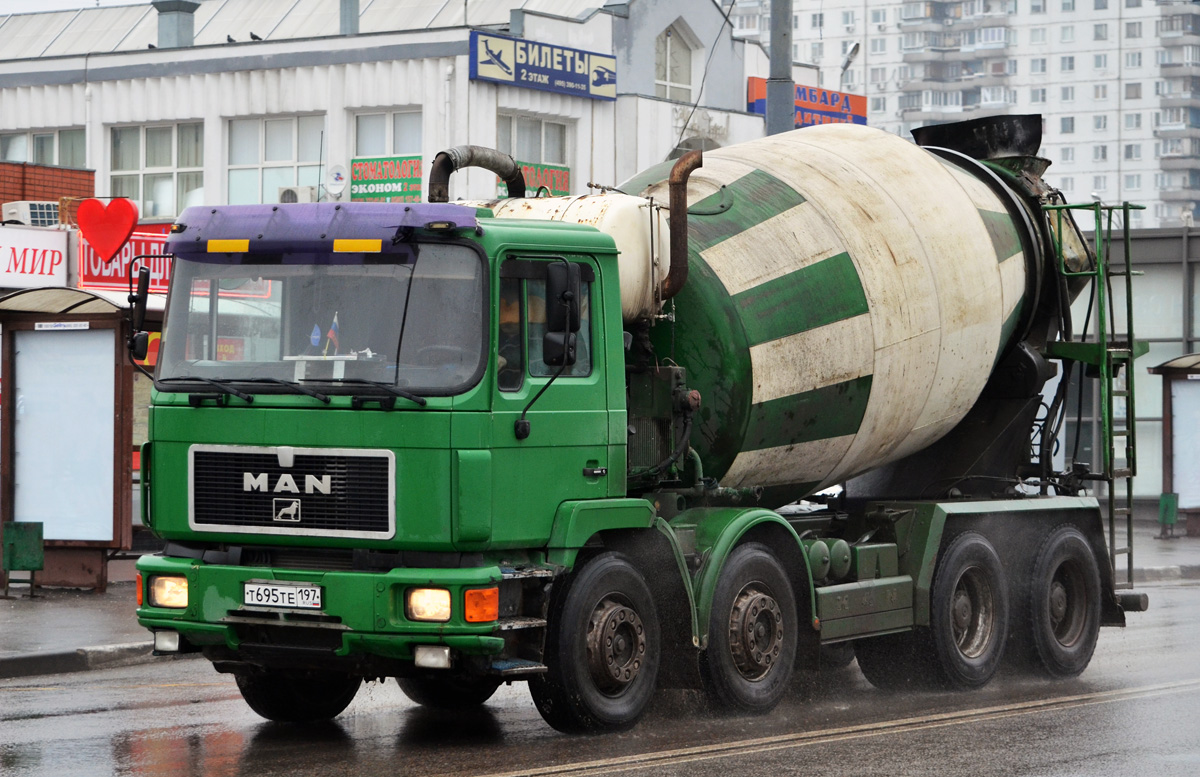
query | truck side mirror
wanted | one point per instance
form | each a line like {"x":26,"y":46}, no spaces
{"x":562,"y":297}
{"x":558,"y":349}
{"x":139,"y":345}
{"x":137,"y":300}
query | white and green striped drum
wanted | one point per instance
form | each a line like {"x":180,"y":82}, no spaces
{"x":849,"y":295}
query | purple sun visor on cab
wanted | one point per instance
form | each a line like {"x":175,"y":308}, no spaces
{"x":309,"y":227}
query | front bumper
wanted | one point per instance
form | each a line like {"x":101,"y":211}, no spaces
{"x":361,"y":626}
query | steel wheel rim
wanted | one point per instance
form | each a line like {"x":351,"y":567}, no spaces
{"x":1066,"y":603}
{"x":616,"y":646}
{"x":755,"y":632}
{"x":972,"y":612}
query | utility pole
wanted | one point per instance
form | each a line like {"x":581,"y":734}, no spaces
{"x":781,"y":90}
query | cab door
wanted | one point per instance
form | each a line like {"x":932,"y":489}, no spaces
{"x":566,"y":453}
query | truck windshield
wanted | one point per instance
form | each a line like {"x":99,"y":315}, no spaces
{"x":412,"y":319}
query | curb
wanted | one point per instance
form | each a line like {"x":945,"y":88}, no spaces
{"x":1159,"y":574}
{"x":79,"y":660}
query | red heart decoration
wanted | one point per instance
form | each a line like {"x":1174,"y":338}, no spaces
{"x":107,"y":227}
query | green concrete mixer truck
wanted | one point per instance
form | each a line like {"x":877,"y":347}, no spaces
{"x":562,"y":440}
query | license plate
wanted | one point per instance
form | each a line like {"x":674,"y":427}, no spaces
{"x":300,"y":596}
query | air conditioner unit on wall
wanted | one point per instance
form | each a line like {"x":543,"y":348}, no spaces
{"x":33,"y":213}
{"x":297,"y":194}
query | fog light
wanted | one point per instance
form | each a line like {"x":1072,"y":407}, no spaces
{"x":432,"y":656}
{"x":171,"y":592}
{"x":166,"y":641}
{"x":428,"y":604}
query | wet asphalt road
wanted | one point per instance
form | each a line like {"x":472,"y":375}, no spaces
{"x":1136,"y":710}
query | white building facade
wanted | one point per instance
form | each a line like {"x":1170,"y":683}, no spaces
{"x":1118,"y":81}
{"x":176,"y":103}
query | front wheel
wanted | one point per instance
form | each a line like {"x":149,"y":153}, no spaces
{"x":297,"y":697}
{"x":448,"y":693}
{"x":602,"y":649}
{"x":968,"y":611}
{"x":1063,"y":609}
{"x":751,"y":634}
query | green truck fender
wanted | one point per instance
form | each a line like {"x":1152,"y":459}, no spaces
{"x":717,"y":531}
{"x":577,"y":522}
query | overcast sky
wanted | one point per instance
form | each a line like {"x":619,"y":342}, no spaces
{"x":28,"y":6}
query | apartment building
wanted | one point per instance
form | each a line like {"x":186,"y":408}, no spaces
{"x":1118,"y":81}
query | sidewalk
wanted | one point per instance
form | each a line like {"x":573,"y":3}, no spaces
{"x":66,"y":630}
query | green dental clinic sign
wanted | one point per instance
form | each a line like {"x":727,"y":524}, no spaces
{"x":385,"y":179}
{"x":556,"y":178}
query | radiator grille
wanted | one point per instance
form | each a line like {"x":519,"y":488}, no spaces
{"x":335,"y":493}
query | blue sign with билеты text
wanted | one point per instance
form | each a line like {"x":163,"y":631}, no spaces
{"x":543,"y":66}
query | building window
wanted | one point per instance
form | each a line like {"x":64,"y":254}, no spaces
{"x":1100,"y":92}
{"x":1100,"y":61}
{"x":672,"y":66}
{"x":1067,"y":34}
{"x":1100,"y":123}
{"x":818,"y":51}
{"x":1037,"y":65}
{"x":266,"y":155}
{"x":1068,"y":184}
{"x":1068,"y":5}
{"x":1066,"y":125}
{"x":1133,"y":29}
{"x":158,"y":167}
{"x":379,"y":134}
{"x":1068,"y":154}
{"x":1037,"y":6}
{"x":1133,"y":3}
{"x":878,"y":16}
{"x":1099,"y":32}
{"x":1068,"y":94}
{"x":1133,"y":91}
{"x":818,"y":21}
{"x":879,"y":45}
{"x":1099,"y":153}
{"x":1133,"y":121}
{"x":1133,"y":59}
{"x":1133,"y":151}
{"x":64,"y":148}
{"x":1037,"y":35}
{"x":1101,"y":5}
{"x":878,"y":75}
{"x":1099,"y":183}
{"x":532,"y":141}
{"x":878,"y":104}
{"x":1068,"y":64}
{"x":1037,"y":95}
{"x":848,"y":18}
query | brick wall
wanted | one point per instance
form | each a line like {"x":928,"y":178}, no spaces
{"x":23,"y":181}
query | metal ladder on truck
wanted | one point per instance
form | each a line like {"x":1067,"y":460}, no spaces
{"x":1112,"y":361}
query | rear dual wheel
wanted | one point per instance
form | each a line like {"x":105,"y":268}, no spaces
{"x":1063,"y":606}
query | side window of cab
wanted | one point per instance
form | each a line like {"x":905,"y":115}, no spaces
{"x":522,"y":325}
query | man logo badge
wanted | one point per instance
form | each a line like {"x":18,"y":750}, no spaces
{"x":286,"y":510}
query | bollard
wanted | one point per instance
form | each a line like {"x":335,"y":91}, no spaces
{"x":22,"y":551}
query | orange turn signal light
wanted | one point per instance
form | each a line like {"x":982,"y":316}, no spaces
{"x":482,"y":605}
{"x":139,"y":589}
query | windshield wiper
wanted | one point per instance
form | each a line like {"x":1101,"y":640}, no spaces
{"x":220,"y":385}
{"x":290,"y":385}
{"x":388,"y":387}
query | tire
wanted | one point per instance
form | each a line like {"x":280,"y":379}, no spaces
{"x":297,"y":697}
{"x":839,"y":655}
{"x":968,"y":612}
{"x":448,"y":693}
{"x":603,"y":642}
{"x":1063,"y":610}
{"x":897,"y":662}
{"x":751,"y":633}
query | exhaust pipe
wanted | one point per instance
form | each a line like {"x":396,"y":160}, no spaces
{"x":453,"y":159}
{"x":678,"y":273}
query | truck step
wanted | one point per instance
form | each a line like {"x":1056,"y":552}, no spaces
{"x":520,"y":622}
{"x":517,"y":667}
{"x":1121,"y":473}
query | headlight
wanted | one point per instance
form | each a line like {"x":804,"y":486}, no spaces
{"x":428,"y":604}
{"x":169,"y":592}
